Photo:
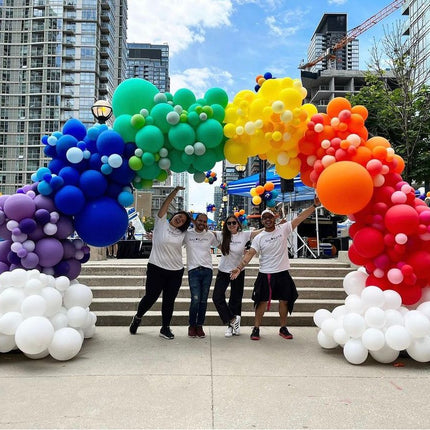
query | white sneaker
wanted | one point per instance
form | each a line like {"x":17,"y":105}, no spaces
{"x":236,"y":325}
{"x":228,"y":331}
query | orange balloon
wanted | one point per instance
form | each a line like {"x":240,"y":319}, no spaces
{"x":336,"y":105}
{"x":356,"y":123}
{"x":360,"y":110}
{"x":362,"y":156}
{"x":259,"y":189}
{"x":304,"y":177}
{"x":400,"y":163}
{"x":378,"y":141}
{"x":345,"y":187}
{"x":269,"y":186}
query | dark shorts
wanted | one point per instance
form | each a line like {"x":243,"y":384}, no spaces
{"x":280,"y":287}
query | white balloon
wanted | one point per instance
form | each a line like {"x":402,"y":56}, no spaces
{"x":34,"y":335}
{"x":392,"y":299}
{"x":59,"y":320}
{"x":419,"y":349}
{"x":393,"y":317}
{"x":66,"y":343}
{"x":89,"y":331}
{"x":9,"y":322}
{"x":354,"y":324}
{"x":42,"y":354}
{"x":373,"y":339}
{"x":18,"y":277}
{"x":372,"y":296}
{"x":397,"y":337}
{"x":54,"y":300}
{"x":354,"y":304}
{"x":33,"y":306}
{"x":33,"y":286}
{"x":339,"y":311}
{"x":62,"y":283}
{"x":11,"y":299}
{"x":355,"y":282}
{"x":385,"y":354}
{"x":329,"y":326}
{"x":78,"y":295}
{"x":325,"y":341}
{"x":320,"y":316}
{"x":375,"y":317}
{"x":417,"y":324}
{"x":424,"y":308}
{"x":355,"y":352}
{"x":77,"y":316}
{"x":341,"y":336}
{"x":7,"y":343}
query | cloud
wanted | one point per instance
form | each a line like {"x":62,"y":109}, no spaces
{"x":337,"y":2}
{"x":177,"y":22}
{"x":288,"y":23}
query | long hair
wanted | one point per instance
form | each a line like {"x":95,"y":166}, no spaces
{"x":186,"y":224}
{"x":226,"y":235}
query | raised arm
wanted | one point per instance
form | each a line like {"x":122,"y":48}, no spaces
{"x":306,"y":213}
{"x":165,"y":206}
{"x":245,"y":260}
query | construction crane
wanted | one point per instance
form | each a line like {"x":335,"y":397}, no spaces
{"x":354,"y":33}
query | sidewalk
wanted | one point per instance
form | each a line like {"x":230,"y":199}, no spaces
{"x":119,"y":381}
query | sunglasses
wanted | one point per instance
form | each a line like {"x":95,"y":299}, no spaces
{"x":231,"y":222}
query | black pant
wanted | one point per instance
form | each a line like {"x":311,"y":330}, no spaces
{"x":161,"y":280}
{"x":234,"y":306}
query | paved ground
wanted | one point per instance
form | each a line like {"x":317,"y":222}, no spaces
{"x":119,"y":381}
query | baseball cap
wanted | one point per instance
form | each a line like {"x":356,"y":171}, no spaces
{"x":267,"y":211}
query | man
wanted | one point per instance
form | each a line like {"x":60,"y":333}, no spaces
{"x":273,"y":281}
{"x":198,"y":243}
{"x":130,"y":231}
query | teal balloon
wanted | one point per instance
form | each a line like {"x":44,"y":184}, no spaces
{"x":194,"y":106}
{"x":218,"y":112}
{"x":169,"y":96}
{"x":159,"y":113}
{"x":181,"y":135}
{"x":187,"y":159}
{"x":184,"y":97}
{"x":206,"y":161}
{"x":176,"y":163}
{"x":150,"y":138}
{"x":210,"y":132}
{"x":149,"y":172}
{"x":148,"y":159}
{"x":132,"y":95}
{"x":219,"y":152}
{"x":193,"y":119}
{"x":123,"y":127}
{"x":216,"y":95}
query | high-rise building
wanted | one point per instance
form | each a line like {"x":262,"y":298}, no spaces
{"x":417,"y":27}
{"x":330,"y":30}
{"x":150,"y":62}
{"x":57,"y":57}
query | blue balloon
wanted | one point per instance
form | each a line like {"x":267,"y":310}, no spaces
{"x":55,"y":165}
{"x":123,"y":174}
{"x":70,"y":200}
{"x":93,"y":184}
{"x":75,"y":128}
{"x":95,"y":162}
{"x":63,"y":144}
{"x":268,"y":75}
{"x":70,"y":175}
{"x":110,"y":142}
{"x":125,"y":198}
{"x":102,"y":222}
{"x":113,"y":190}
{"x":50,"y":151}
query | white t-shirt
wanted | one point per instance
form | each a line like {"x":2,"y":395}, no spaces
{"x":198,"y":246}
{"x":237,"y":248}
{"x":166,"y":245}
{"x":272,"y":248}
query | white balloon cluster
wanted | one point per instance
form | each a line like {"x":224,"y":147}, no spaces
{"x":42,"y":315}
{"x":374,"y":321}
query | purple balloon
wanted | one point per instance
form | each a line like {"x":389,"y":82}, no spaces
{"x":42,"y":216}
{"x":62,"y":268}
{"x":3,"y":267}
{"x":69,"y":249}
{"x":4,"y":250}
{"x":19,"y":206}
{"x":44,"y":202}
{"x":13,"y":258}
{"x":27,"y":225}
{"x":30,"y":261}
{"x":65,"y":227}
{"x":3,"y":198}
{"x":5,"y":233}
{"x":37,"y":234}
{"x":75,"y":268}
{"x":50,"y":251}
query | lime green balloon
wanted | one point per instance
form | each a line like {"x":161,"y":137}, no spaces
{"x":193,"y":107}
{"x":184,"y":97}
{"x":218,"y":112}
{"x":181,"y":135}
{"x":162,"y":176}
{"x":149,"y":172}
{"x":206,"y":161}
{"x":216,"y":95}
{"x":210,"y":132}
{"x":123,"y":126}
{"x":159,"y":113}
{"x":193,"y":119}
{"x":135,"y":163}
{"x":176,"y":163}
{"x":137,"y":121}
{"x":208,"y":111}
{"x":147,"y":183}
{"x":150,"y":138}
{"x":132,"y":95}
{"x":148,"y":159}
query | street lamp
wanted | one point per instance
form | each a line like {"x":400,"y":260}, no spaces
{"x":102,"y":111}
{"x":240,"y":169}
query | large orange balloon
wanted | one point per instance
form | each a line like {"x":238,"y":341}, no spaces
{"x":345,"y":187}
{"x":336,"y":105}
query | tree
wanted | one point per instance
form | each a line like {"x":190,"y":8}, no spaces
{"x":402,"y":114}
{"x":149,"y":223}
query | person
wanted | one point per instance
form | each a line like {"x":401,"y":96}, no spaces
{"x":233,"y":242}
{"x":273,"y":280}
{"x":165,"y":267}
{"x":198,"y":243}
{"x":113,"y":250}
{"x":130,"y":231}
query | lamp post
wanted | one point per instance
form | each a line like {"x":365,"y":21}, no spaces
{"x":102,"y":111}
{"x":240,"y":169}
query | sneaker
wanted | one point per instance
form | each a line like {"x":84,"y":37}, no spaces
{"x":236,"y":325}
{"x":200,"y":332}
{"x":283,"y":332}
{"x":228,"y":331}
{"x":255,"y":335}
{"x":166,"y":333}
{"x":135,"y":323}
{"x":192,"y":331}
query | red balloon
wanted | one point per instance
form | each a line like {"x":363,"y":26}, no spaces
{"x":410,"y":294}
{"x":420,"y":261}
{"x":355,"y":257}
{"x":402,"y":219}
{"x":369,"y":242}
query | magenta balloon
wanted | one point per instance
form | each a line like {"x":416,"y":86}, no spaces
{"x":75,"y":268}
{"x":19,"y":206}
{"x":64,"y":227}
{"x":30,"y":261}
{"x":44,"y":202}
{"x":69,"y":249}
{"x":50,"y":251}
{"x":5,"y":249}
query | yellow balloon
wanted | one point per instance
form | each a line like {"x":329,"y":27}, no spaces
{"x":230,"y":130}
{"x":231,"y":114}
{"x":236,"y":152}
{"x":286,"y":82}
{"x":270,"y":89}
{"x":310,"y":109}
{"x":253,"y":192}
{"x":291,"y":98}
{"x":290,"y":170}
{"x":256,"y":200}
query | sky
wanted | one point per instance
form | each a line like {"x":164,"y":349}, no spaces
{"x":227,"y":43}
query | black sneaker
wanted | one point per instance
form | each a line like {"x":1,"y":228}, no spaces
{"x":135,"y":323}
{"x":255,"y":335}
{"x":166,"y":333}
{"x":283,"y":332}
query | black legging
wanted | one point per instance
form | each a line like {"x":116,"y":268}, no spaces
{"x":160,"y":280}
{"x":234,"y":306}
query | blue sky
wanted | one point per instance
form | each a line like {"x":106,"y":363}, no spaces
{"x":227,"y":43}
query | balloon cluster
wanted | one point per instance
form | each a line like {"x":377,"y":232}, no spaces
{"x":176,"y":132}
{"x":42,"y":315}
{"x":264,"y":193}
{"x":372,"y":321}
{"x":224,"y":186}
{"x":210,"y":177}
{"x":89,"y":179}
{"x":260,"y":79}
{"x":268,"y":124}
{"x":35,"y":236}
{"x":241,"y":216}
{"x":210,"y":208}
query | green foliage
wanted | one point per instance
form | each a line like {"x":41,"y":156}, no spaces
{"x":149,"y":223}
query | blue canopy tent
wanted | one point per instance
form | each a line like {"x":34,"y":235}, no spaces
{"x":243,"y":186}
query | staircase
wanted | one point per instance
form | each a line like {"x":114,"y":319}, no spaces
{"x":118,"y":285}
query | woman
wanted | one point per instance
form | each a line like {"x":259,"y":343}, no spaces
{"x":165,"y":267}
{"x":233,"y":245}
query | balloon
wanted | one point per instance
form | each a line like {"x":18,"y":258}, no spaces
{"x":34,"y":335}
{"x":92,"y":183}
{"x":402,"y":219}
{"x":355,"y":352}
{"x":70,"y":200}
{"x":50,"y":252}
{"x":66,"y":344}
{"x":19,"y":206}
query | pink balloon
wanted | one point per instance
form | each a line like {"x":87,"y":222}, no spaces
{"x":402,"y":219}
{"x":369,"y":242}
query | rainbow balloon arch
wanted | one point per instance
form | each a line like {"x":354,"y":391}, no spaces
{"x":89,"y":181}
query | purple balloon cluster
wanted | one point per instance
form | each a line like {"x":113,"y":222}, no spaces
{"x":35,"y":236}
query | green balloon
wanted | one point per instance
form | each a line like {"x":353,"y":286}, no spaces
{"x":216,"y":95}
{"x":149,"y":138}
{"x":138,"y":185}
{"x":184,"y":97}
{"x":162,"y":176}
{"x":218,"y":112}
{"x":206,"y":161}
{"x":210,"y":132}
{"x":187,"y":159}
{"x":135,"y":163}
{"x":159,"y":113}
{"x":193,"y":119}
{"x":137,"y":121}
{"x":181,"y":135}
{"x":147,"y":183}
{"x":169,"y":96}
{"x":149,"y":172}
{"x":123,"y":126}
{"x":219,"y":151}
{"x":176,"y":163}
{"x":132,"y":95}
{"x":148,"y":159}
